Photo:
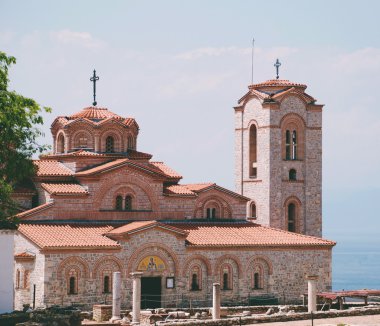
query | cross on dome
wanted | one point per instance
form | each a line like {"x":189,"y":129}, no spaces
{"x":277,"y":65}
{"x":94,"y":78}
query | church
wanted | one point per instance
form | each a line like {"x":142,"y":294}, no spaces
{"x":99,"y":204}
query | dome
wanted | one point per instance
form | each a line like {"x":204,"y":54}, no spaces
{"x":94,"y":113}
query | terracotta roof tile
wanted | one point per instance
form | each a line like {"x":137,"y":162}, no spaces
{"x":141,"y":225}
{"x":95,"y":113}
{"x":244,"y":234}
{"x":136,"y":155}
{"x":178,"y":190}
{"x":35,"y":209}
{"x":102,"y":167}
{"x":24,"y":255}
{"x":276,"y":83}
{"x":64,"y":188}
{"x":166,"y":169}
{"x":52,"y":168}
{"x":53,"y":236}
{"x":199,"y":186}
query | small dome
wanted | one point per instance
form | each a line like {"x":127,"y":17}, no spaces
{"x":276,"y":83}
{"x":94,"y":113}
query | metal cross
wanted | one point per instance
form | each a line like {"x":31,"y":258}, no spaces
{"x":277,"y":65}
{"x":94,"y":78}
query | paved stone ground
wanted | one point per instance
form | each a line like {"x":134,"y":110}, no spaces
{"x":351,"y":321}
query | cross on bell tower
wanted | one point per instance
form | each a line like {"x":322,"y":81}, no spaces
{"x":277,"y":65}
{"x":94,"y":78}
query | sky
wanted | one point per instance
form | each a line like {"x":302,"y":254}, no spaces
{"x":179,"y":67}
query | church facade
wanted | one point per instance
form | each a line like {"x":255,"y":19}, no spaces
{"x":98,"y":205}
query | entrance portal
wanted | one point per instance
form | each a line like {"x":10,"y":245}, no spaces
{"x":150,"y":292}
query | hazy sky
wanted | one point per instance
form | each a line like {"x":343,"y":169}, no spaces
{"x":179,"y":67}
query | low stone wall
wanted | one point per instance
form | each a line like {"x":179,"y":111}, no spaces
{"x":276,"y":318}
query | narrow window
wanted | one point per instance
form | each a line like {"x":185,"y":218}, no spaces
{"x":106,"y":284}
{"x":110,"y":144}
{"x":208,"y":212}
{"x":253,"y":210}
{"x":292,"y":174}
{"x":252,"y":151}
{"x":292,"y":217}
{"x":213,"y":212}
{"x":26,"y":279}
{"x":294,"y":145}
{"x":72,"y":285}
{"x":194,"y":282}
{"x":119,"y":203}
{"x":18,"y":275}
{"x":61,"y":144}
{"x":256,"y":280}
{"x":131,"y":142}
{"x":225,"y":281}
{"x":128,"y":203}
{"x":287,"y":145}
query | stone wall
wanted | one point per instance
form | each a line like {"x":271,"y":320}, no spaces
{"x":280,"y":277}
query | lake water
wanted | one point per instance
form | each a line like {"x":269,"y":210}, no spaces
{"x":356,"y":268}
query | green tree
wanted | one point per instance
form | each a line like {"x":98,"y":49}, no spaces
{"x":19,"y":116}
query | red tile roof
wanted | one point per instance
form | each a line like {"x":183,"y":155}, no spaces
{"x":24,"y":255}
{"x":199,"y":186}
{"x":277,"y":83}
{"x":95,"y":113}
{"x":52,"y":236}
{"x":244,"y":234}
{"x":179,"y":190}
{"x":51,"y":168}
{"x":136,"y":155}
{"x":154,"y":167}
{"x":143,"y":225}
{"x":64,"y":188}
{"x":35,"y":209}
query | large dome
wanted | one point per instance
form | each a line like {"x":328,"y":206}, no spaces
{"x":94,"y":113}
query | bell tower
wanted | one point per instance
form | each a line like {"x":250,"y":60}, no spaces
{"x":278,"y":156}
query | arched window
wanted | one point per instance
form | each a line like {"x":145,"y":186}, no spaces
{"x":252,"y":151}
{"x":256,"y":280}
{"x":18,"y":276}
{"x":292,"y":174}
{"x":287,"y":145}
{"x":194,"y":282}
{"x":110,"y":144}
{"x":211,"y":212}
{"x":61,"y":144}
{"x":253,"y":210}
{"x":106,"y":284}
{"x":73,"y":285}
{"x":294,"y":145}
{"x":292,"y":217}
{"x":226,"y":277}
{"x":128,"y":203}
{"x":119,"y":203}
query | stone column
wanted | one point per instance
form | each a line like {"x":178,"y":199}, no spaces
{"x":116,"y":299}
{"x":215,"y":301}
{"x":312,"y":293}
{"x":96,"y":143}
{"x":136,"y":297}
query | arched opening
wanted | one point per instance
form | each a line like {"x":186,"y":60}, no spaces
{"x":194,"y":282}
{"x":225,"y":281}
{"x":292,"y":174}
{"x":292,"y":217}
{"x":61,"y":144}
{"x":72,"y":285}
{"x":18,"y":276}
{"x":128,"y":203}
{"x":110,"y":144}
{"x":211,"y":212}
{"x":226,"y":278}
{"x":253,"y":212}
{"x":106,"y":284}
{"x":119,"y":203}
{"x":256,"y":280}
{"x":287,"y":145}
{"x":294,"y":145}
{"x":252,"y":151}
